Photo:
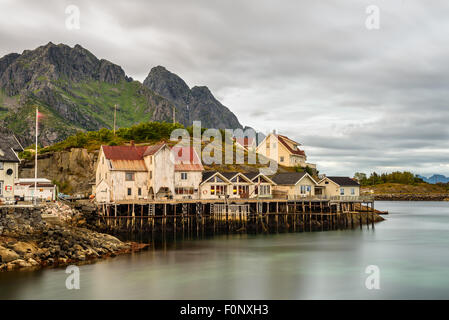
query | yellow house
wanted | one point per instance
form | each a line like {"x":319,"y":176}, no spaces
{"x":294,"y":185}
{"x":339,"y":186}
{"x":283,"y":150}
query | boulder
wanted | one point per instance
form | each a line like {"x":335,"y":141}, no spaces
{"x":24,"y":248}
{"x":8,"y":255}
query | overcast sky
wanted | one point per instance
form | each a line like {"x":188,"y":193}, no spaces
{"x":357,"y":99}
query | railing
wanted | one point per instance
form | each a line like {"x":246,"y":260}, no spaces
{"x":308,"y":197}
{"x":331,"y":198}
{"x":352,"y":198}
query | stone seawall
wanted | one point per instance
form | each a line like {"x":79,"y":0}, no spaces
{"x":33,"y":238}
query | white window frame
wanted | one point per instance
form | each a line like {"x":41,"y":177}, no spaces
{"x":183,"y":175}
{"x":352,"y":191}
{"x":2,"y":165}
{"x":1,"y":188}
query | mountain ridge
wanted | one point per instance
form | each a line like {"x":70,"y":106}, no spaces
{"x":76,"y":91}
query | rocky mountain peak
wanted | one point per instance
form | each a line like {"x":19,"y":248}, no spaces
{"x":193,"y":104}
{"x":168,"y":85}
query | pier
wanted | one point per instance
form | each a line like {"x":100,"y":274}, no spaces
{"x":195,"y":217}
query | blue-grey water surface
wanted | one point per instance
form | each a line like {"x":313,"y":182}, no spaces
{"x":411,"y":249}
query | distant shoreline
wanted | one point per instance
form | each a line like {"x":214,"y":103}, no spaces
{"x":411,"y":197}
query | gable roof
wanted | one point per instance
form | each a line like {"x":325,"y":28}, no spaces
{"x":344,"y":181}
{"x":209,"y":174}
{"x":253,"y":175}
{"x":231,"y":175}
{"x":9,"y":146}
{"x":186,"y":159}
{"x":151,"y":150}
{"x":290,"y":178}
{"x":283,"y":140}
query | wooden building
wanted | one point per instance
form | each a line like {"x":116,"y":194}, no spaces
{"x":339,"y":186}
{"x":284,"y":151}
{"x":188,"y":173}
{"x":294,"y":185}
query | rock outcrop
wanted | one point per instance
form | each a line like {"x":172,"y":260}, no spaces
{"x":44,"y":236}
{"x":73,"y":170}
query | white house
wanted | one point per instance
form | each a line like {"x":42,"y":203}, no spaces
{"x":9,"y":164}
{"x":188,"y":172}
{"x":147,"y":172}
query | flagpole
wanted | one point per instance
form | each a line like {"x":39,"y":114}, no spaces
{"x":35,"y":158}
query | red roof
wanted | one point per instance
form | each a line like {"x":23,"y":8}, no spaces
{"x":186,"y":159}
{"x":296,"y":151}
{"x":124,"y":152}
{"x":153,"y":149}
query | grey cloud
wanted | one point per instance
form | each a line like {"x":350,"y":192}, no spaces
{"x":357,"y":99}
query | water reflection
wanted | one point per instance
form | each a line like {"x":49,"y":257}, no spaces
{"x":410,"y":250}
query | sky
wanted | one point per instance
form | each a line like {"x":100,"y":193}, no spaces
{"x":357,"y":98}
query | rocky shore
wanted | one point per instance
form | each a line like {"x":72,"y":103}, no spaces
{"x":47,"y":236}
{"x":411,"y":197}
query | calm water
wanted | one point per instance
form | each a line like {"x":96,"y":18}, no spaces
{"x":411,"y":249}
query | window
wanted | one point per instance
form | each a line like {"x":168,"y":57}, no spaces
{"x":1,"y":165}
{"x":352,"y":191}
{"x":139,"y":191}
{"x":105,"y":175}
{"x":129,"y":176}
{"x":151,"y":174}
{"x":129,"y":192}
{"x":151,"y":160}
{"x":1,"y":187}
{"x":184,"y":190}
{"x":282,"y":159}
{"x":342,"y":191}
{"x":327,"y":182}
{"x":183,"y":175}
{"x":212,"y":190}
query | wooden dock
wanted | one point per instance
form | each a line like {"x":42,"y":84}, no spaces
{"x":237,"y":215}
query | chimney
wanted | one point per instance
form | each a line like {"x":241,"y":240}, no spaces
{"x":132,"y":143}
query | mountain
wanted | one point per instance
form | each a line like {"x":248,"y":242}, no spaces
{"x":196,"y":103}
{"x":75,"y":91}
{"x":436,"y":178}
